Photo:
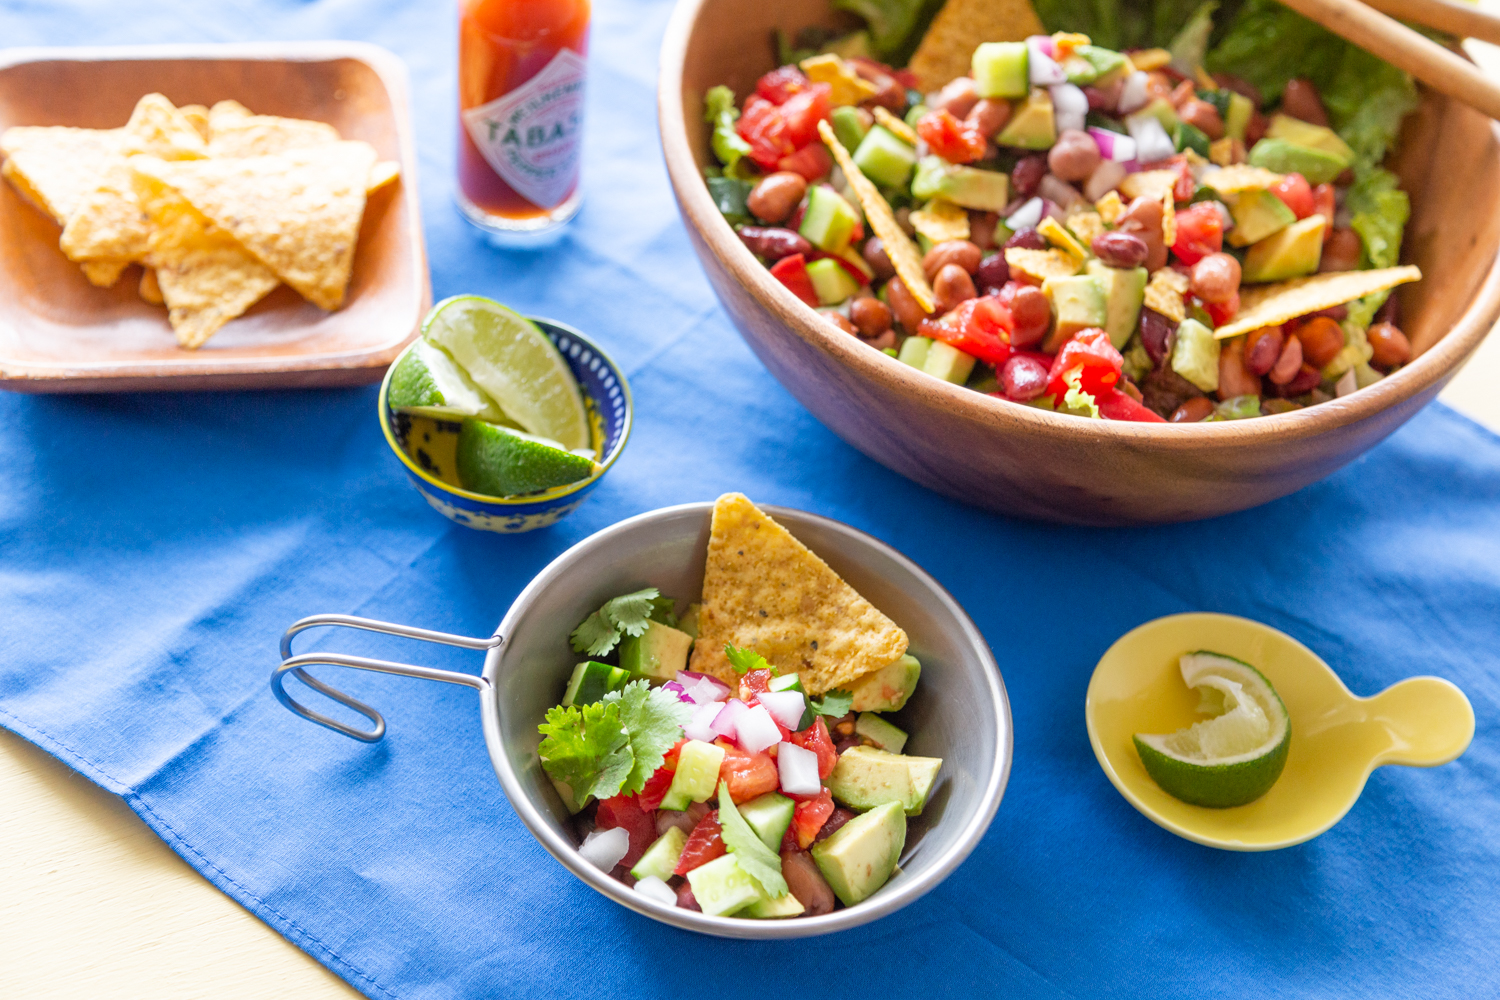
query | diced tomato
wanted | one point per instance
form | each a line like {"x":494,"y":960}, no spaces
{"x":753,"y":683}
{"x":809,"y":816}
{"x":1324,"y":206}
{"x":747,"y":774}
{"x":625,"y":811}
{"x":1200,"y":232}
{"x":953,"y":140}
{"x":655,"y":788}
{"x":792,"y":272}
{"x":781,"y":83}
{"x":1294,"y":190}
{"x":1116,"y":405}
{"x":1094,"y":360}
{"x":812,"y":161}
{"x":703,"y":845}
{"x":1223,"y":312}
{"x":803,"y":111}
{"x":762,"y":126}
{"x":979,"y":327}
{"x":817,"y":739}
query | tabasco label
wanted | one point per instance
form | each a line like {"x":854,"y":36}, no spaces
{"x":533,"y":135}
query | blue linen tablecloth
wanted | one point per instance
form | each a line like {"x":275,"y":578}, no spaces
{"x":154,"y":547}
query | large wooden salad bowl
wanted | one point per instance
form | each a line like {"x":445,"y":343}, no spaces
{"x":1023,"y":461}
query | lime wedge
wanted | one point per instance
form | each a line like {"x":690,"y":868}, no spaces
{"x":428,"y":382}
{"x":501,"y":462}
{"x":509,"y":358}
{"x":1235,"y":756}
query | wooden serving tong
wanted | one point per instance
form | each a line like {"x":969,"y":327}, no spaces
{"x":1440,"y":68}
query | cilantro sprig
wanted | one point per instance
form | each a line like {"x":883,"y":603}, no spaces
{"x":759,"y":861}
{"x":745,"y":660}
{"x":626,"y":615}
{"x":612,"y":746}
{"x":835,"y":704}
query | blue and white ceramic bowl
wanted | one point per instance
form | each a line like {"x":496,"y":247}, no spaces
{"x":606,"y":396}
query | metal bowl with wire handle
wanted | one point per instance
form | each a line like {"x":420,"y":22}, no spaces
{"x":959,"y":712}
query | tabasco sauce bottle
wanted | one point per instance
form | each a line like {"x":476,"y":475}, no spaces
{"x":521,"y":71}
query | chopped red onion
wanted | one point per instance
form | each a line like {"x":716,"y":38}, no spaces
{"x":1070,"y":107}
{"x":756,"y":730}
{"x":1113,"y":145}
{"x":1105,"y":178}
{"x":1058,"y":191}
{"x":605,"y":848}
{"x":1026,"y":217}
{"x":1132,"y":93}
{"x":786,"y":707}
{"x":701,"y":725}
{"x":725,"y":722}
{"x":1151,"y":140}
{"x":798,"y":769}
{"x":678,"y":690}
{"x":1045,"y":43}
{"x":654,"y":888}
{"x":1041,"y":68}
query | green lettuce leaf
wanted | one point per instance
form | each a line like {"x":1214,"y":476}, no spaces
{"x":720,"y":112}
{"x":1378,"y":213}
{"x":1235,"y":408}
{"x":759,"y":861}
{"x":1106,"y":22}
{"x":1190,"y":44}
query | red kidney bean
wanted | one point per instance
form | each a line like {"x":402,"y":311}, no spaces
{"x":1322,"y":339}
{"x":871,"y":316}
{"x":982,"y":229}
{"x":951,"y":286}
{"x":961,"y":252}
{"x":1143,"y":217}
{"x":1203,"y":116}
{"x":992,"y":274}
{"x":1030,"y":311}
{"x":1074,"y":156}
{"x":957,"y":97}
{"x":1023,"y":378}
{"x":1119,"y":249}
{"x":836,"y":819}
{"x":988,"y":117}
{"x":1306,"y":380}
{"x":1255,"y":128}
{"x":1288,"y":364}
{"x":685,"y":898}
{"x":1156,"y":335}
{"x":1192,"y":411}
{"x":1105,"y":99}
{"x":1263,"y":349}
{"x":1300,"y":100}
{"x":1028,"y":173}
{"x":1389,"y":311}
{"x":806,"y":883}
{"x":875,"y":255}
{"x":1026,"y":238}
{"x":1216,"y":278}
{"x":1340,"y":251}
{"x":773,"y":244}
{"x":909,"y":312}
{"x":890,"y":94}
{"x":883,"y":341}
{"x":1234,"y":378}
{"x":775,"y":197}
{"x":1390,"y":344}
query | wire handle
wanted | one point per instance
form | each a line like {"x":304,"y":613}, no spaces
{"x":295,"y":665}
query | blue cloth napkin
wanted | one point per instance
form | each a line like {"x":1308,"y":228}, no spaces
{"x":155,"y":547}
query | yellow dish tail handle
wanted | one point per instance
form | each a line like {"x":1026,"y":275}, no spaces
{"x":1429,"y":722}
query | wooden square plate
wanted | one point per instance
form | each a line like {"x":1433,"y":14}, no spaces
{"x":58,"y":333}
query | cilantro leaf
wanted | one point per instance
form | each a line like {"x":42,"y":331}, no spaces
{"x":628,"y":614}
{"x":653,"y":719}
{"x":745,"y":660}
{"x":594,"y":636}
{"x":586,"y":748}
{"x":750,"y":852}
{"x":835,"y":704}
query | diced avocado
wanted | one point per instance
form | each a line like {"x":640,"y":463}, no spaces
{"x":886,"y":689}
{"x":1108,"y":64}
{"x":1001,"y":69}
{"x":1077,"y":303}
{"x":1237,"y":117}
{"x":1032,"y":125}
{"x":697,"y":775}
{"x":829,"y":220}
{"x":661,"y":857}
{"x":884,"y":158}
{"x":847,"y":127}
{"x":1161,"y":109}
{"x":1187,"y":136}
{"x":590,"y":682}
{"x":1195,"y":356}
{"x":982,"y":190}
{"x":565,"y":792}
{"x":766,"y":908}
{"x":830,"y":281}
{"x":769,"y":815}
{"x":722,"y":887}
{"x":866,"y":777}
{"x":914,"y":351}
{"x":1291,"y":253}
{"x":1257,"y":214}
{"x":879,"y":732}
{"x":1318,"y":166}
{"x":657,"y":653}
{"x":1124,"y":292}
{"x":948,"y":363}
{"x":860,"y":857}
{"x":687,"y":622}
{"x":1301,"y":133}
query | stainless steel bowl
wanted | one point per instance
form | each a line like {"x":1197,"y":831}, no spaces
{"x":959,"y":713}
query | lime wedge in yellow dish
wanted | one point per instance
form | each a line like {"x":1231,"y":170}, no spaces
{"x":1235,"y":756}
{"x":510,"y":359}
{"x":428,"y":382}
{"x":501,"y":462}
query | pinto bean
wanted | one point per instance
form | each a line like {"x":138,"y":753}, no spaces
{"x":988,"y":117}
{"x":909,"y":312}
{"x":1234,"y":378}
{"x":1390,"y":344}
{"x":884,"y":340}
{"x":1216,"y":278}
{"x":961,"y":252}
{"x":871,"y":316}
{"x":840,"y":321}
{"x":1192,"y":411}
{"x":1288,"y":364}
{"x":879,"y":261}
{"x":1322,"y":339}
{"x":1074,"y":156}
{"x":776,"y":195}
{"x":957,"y":97}
{"x":951,"y":286}
{"x":1300,"y":99}
{"x":1143,"y":217}
{"x":1263,"y":349}
{"x":1203,"y":116}
{"x":1340,"y":251}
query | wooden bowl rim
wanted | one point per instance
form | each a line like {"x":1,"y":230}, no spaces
{"x":699,"y":210}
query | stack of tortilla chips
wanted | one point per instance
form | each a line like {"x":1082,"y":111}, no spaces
{"x":218,"y":204}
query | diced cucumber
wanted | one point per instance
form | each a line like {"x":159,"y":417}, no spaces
{"x":847,"y":127}
{"x":786,"y":682}
{"x":830,"y":281}
{"x":884,"y":735}
{"x":885,"y":158}
{"x":914,"y":351}
{"x":589,"y":683}
{"x":1195,"y":356}
{"x":697,"y":775}
{"x":657,"y":653}
{"x":829,"y":220}
{"x":722,"y":887}
{"x":766,"y":908}
{"x":661,"y":857}
{"x":1189,"y":136}
{"x":769,"y":816}
{"x":1001,"y":69}
{"x":1238,"y":116}
{"x":948,"y":363}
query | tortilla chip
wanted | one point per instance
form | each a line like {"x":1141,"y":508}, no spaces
{"x":1240,"y":177}
{"x":223,"y":114}
{"x":151,"y":288}
{"x":941,"y":220}
{"x":383,"y":173}
{"x":1041,"y":264}
{"x":898,"y":246}
{"x":848,"y":86}
{"x":109,"y":223}
{"x":1270,"y":305}
{"x":895,"y":126}
{"x":1110,"y":207}
{"x":1153,"y":184}
{"x":157,"y":128}
{"x":947,"y":50}
{"x":1086,"y":224}
{"x":1164,"y":293}
{"x":103,"y":273}
{"x":205,"y":276}
{"x":239,"y":135}
{"x":297,"y":212}
{"x":55,"y":168}
{"x":1168,"y":218}
{"x":1055,"y":233}
{"x":764,"y":590}
{"x":197,"y":116}
{"x":1149,"y":59}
